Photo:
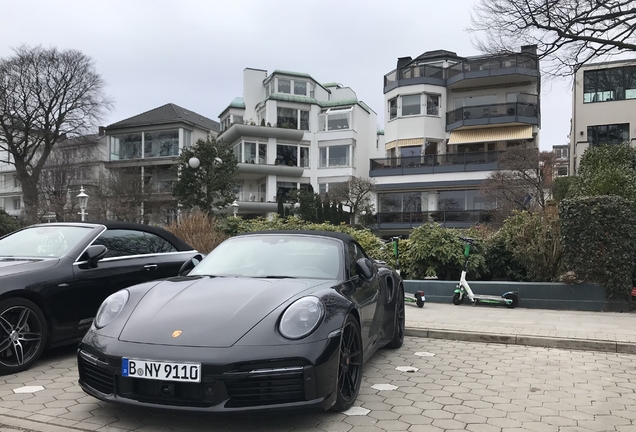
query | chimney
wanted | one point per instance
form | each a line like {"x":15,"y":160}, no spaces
{"x":102,"y":131}
{"x":402,"y":61}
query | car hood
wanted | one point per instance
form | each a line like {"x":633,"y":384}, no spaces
{"x":209,"y":312}
{"x":10,"y":266}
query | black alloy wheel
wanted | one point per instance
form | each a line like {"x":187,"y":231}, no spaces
{"x":23,"y":332}
{"x":400,"y":322}
{"x":457,"y":300}
{"x":350,"y":367}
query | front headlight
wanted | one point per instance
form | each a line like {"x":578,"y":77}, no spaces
{"x":302,"y":318}
{"x":111,"y":308}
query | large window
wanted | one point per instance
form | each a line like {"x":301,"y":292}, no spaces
{"x":335,"y":119}
{"x":609,"y":84}
{"x":411,"y":105}
{"x":292,"y":118}
{"x":161,"y":143}
{"x":300,"y":88}
{"x":393,"y":108}
{"x":289,"y":155}
{"x":335,"y":156}
{"x":284,"y":86}
{"x":251,"y":152}
{"x":124,"y":147}
{"x":398,"y":202}
{"x":608,"y":134}
{"x":432,"y":104}
{"x":460,"y":200}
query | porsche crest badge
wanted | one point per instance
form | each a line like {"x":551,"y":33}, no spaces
{"x":176,"y":333}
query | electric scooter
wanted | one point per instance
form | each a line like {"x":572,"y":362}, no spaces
{"x":418,"y":298}
{"x":509,"y":299}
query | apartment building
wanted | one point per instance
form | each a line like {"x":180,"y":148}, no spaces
{"x":447,"y":120}
{"x":291,"y":132}
{"x":603,"y":107}
{"x":561,"y":160}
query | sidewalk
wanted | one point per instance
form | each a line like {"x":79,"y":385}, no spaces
{"x":599,"y":331}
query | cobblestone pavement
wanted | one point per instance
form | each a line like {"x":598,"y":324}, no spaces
{"x":429,"y":385}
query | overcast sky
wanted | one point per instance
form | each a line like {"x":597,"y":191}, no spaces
{"x":193,"y":52}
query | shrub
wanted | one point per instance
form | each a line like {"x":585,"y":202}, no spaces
{"x":434,"y":251}
{"x":198,"y":230}
{"x":501,"y":261}
{"x":599,"y":235}
{"x":561,"y":187}
{"x":8,"y":223}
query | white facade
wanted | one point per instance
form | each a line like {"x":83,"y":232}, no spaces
{"x":603,"y":107}
{"x":447,"y":119}
{"x":296,"y":134}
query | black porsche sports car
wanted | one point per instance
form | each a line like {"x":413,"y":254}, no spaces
{"x":268,"y":319}
{"x":53,"y":278}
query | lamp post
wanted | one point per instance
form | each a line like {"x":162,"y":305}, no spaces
{"x":195,"y":163}
{"x":83,"y":202}
{"x":235,"y":206}
{"x":297,"y":210}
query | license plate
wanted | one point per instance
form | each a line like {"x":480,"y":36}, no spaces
{"x":164,"y":371}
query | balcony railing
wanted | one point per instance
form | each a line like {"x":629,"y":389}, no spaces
{"x":488,"y":63}
{"x":424,"y":164}
{"x":477,"y":112}
{"x":451,"y":218}
{"x":251,"y":197}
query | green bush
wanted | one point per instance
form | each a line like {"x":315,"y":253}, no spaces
{"x":8,"y":223}
{"x":561,"y":187}
{"x":434,"y":251}
{"x":501,"y":261}
{"x":599,"y":239}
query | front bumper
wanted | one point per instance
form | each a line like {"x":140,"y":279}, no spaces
{"x":240,"y":378}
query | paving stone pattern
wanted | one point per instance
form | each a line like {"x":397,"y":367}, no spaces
{"x":463,"y":386}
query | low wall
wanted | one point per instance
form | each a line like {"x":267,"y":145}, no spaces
{"x":533,"y":295}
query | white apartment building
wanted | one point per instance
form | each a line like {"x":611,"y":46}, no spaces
{"x":290,"y":132}
{"x":603,"y":107}
{"x":447,"y":120}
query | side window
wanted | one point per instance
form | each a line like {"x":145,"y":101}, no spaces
{"x":351,"y":260}
{"x":131,"y":242}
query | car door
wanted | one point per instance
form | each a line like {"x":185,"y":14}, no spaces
{"x":366,"y":295}
{"x":130,"y":260}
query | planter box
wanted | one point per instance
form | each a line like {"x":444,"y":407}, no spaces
{"x":533,"y":295}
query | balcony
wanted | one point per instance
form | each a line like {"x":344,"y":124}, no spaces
{"x":496,"y":68}
{"x":479,"y":115}
{"x":446,"y":218}
{"x":254,"y":202}
{"x":431,"y":164}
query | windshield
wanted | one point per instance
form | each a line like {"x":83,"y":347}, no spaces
{"x":273,"y":256}
{"x":49,"y":242}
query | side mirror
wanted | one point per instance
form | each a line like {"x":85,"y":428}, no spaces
{"x":365,"y":267}
{"x":93,"y":254}
{"x":190,"y":264}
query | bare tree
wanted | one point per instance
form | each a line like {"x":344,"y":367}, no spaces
{"x":567,"y":33}
{"x":522,"y":182}
{"x":353,"y":193}
{"x":122,"y":194}
{"x":46,"y":95}
{"x":70,"y":164}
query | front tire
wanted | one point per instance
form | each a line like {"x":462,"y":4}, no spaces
{"x":514,"y":298}
{"x":457,"y":300}
{"x":23,"y":334}
{"x":400,"y":322}
{"x":350,"y":368}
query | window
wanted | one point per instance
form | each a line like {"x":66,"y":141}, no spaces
{"x":16,"y":182}
{"x":460,"y":200}
{"x":562,"y":171}
{"x":249,"y":151}
{"x":237,"y":119}
{"x":300,"y":88}
{"x":608,"y":134}
{"x":283,"y":188}
{"x":432,"y":104}
{"x":288,"y":155}
{"x":335,"y":156}
{"x":17,"y":204}
{"x":398,"y":202}
{"x":335,"y":119}
{"x":609,"y":84}
{"x":393,"y":108}
{"x":262,"y":153}
{"x":132,"y":242}
{"x":411,"y":105}
{"x":238,"y":152}
{"x":561,"y":153}
{"x":161,"y":143}
{"x":127,"y":146}
{"x":187,"y":138}
{"x":291,"y":118}
{"x":284,"y":86}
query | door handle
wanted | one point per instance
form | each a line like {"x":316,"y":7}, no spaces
{"x":151,"y":267}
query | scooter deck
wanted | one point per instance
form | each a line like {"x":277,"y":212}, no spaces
{"x":487,"y":298}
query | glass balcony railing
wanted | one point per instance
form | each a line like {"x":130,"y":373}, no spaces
{"x":517,"y":109}
{"x":440,"y":162}
{"x":251,"y":197}
{"x":523,"y":61}
{"x":444,"y":217}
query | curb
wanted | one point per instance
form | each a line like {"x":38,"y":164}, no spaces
{"x":30,"y":425}
{"x":536,"y":341}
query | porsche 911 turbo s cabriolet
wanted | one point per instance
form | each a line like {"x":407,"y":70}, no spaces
{"x":267,"y":319}
{"x":54,"y":277}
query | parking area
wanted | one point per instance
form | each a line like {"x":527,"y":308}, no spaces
{"x":428,"y":385}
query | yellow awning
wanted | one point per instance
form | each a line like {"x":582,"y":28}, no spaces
{"x":490,"y":134}
{"x":404,"y":143}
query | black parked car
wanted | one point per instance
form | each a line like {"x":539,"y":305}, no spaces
{"x":270,"y":319}
{"x":53,"y":278}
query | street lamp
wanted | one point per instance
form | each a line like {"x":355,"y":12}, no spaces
{"x":195,"y":163}
{"x":235,"y":206}
{"x":83,"y":202}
